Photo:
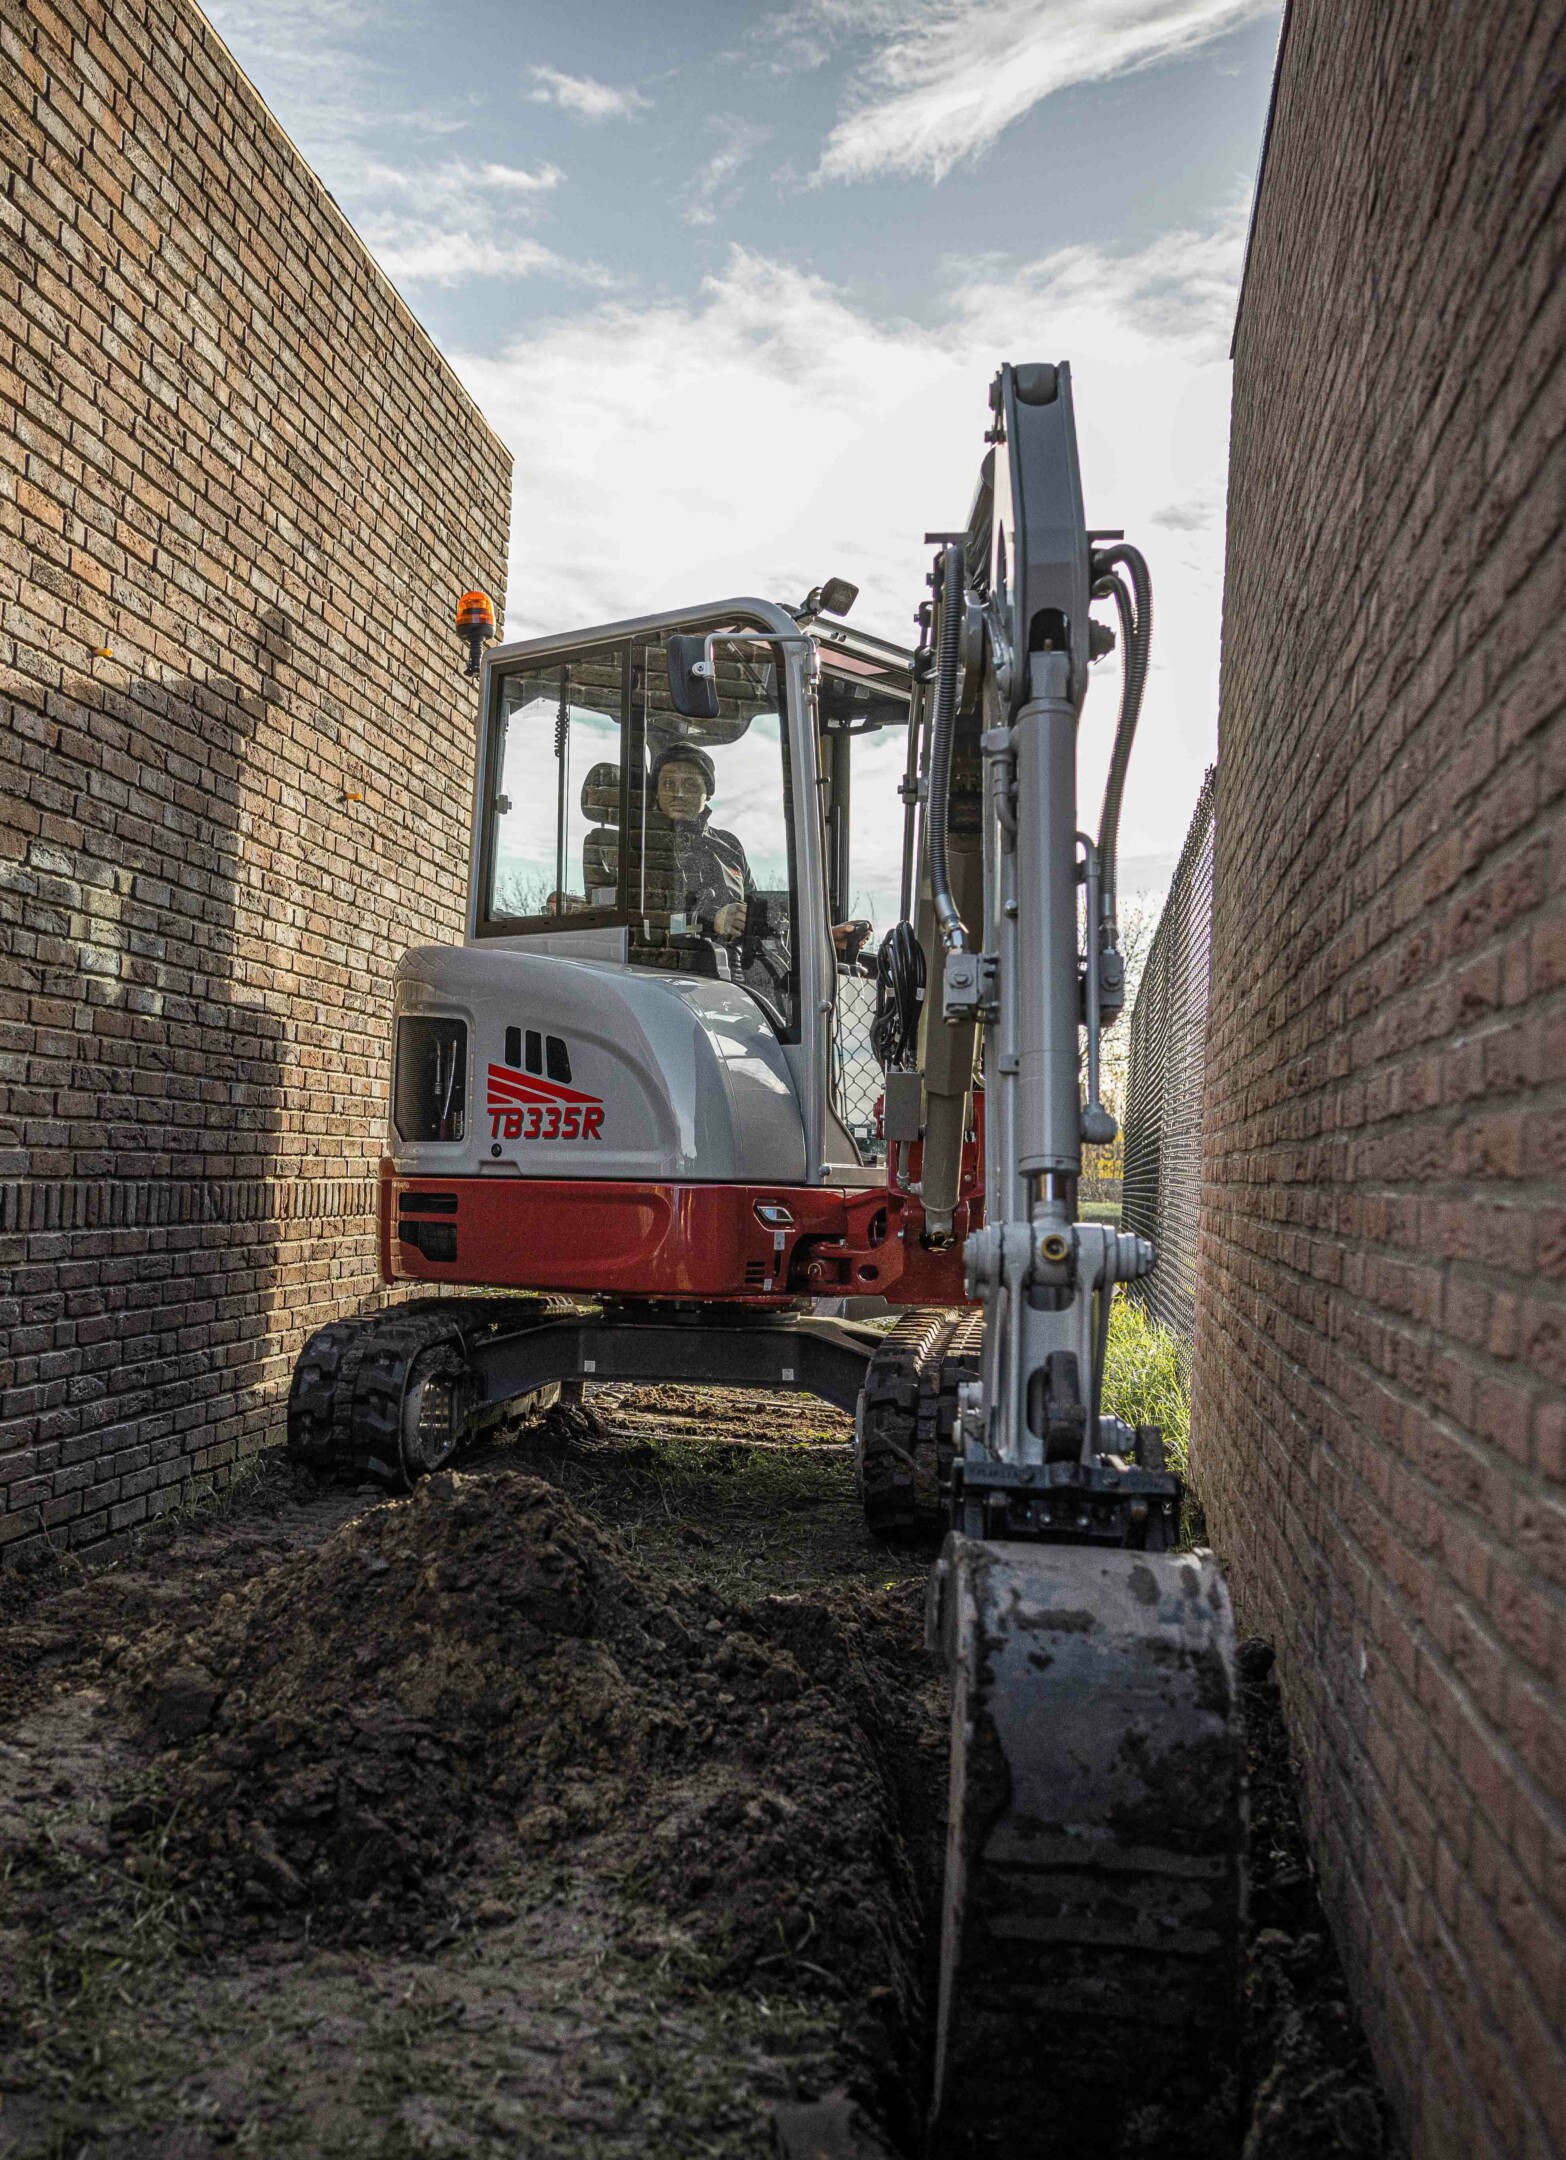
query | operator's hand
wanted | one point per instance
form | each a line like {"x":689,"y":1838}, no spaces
{"x":729,"y":922}
{"x":848,"y":937}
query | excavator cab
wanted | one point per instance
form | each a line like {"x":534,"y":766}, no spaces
{"x":639,"y":832}
{"x":641,"y":815}
{"x":659,"y":1022}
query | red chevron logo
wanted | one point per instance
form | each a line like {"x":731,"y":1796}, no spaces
{"x":523,"y":1107}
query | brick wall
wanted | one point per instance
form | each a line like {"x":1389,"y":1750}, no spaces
{"x":239,"y":494}
{"x":1381,"y":1342}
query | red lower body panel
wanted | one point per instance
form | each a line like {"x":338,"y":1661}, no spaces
{"x":756,"y":1243}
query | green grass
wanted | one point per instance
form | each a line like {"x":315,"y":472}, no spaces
{"x":1145,"y":1379}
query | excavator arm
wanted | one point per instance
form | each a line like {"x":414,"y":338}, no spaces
{"x":1093,"y":1896}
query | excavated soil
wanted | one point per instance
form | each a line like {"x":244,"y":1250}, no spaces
{"x":589,"y":1801}
{"x":481,"y":1665}
{"x":1312,"y":2087}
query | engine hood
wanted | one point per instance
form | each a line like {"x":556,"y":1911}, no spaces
{"x":591,"y":1069}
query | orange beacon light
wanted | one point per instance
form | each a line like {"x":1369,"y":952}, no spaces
{"x":475,"y":622}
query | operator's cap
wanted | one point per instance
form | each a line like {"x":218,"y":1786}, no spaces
{"x":689,"y":754}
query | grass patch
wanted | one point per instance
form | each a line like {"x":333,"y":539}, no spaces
{"x":1147,"y":1382}
{"x":1145,"y":1378}
{"x":75,"y":2037}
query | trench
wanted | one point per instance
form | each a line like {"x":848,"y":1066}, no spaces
{"x":591,"y":1801}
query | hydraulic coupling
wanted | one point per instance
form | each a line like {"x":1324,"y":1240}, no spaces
{"x":968,"y":987}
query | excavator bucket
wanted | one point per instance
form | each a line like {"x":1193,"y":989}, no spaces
{"x":1094,"y":1894}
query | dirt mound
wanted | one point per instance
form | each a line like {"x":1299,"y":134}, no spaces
{"x":481,"y":1662}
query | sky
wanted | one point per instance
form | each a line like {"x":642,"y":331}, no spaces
{"x":731,"y":280}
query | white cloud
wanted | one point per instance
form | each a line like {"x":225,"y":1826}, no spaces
{"x":948,"y":76}
{"x":583,"y":96}
{"x":742,"y":141}
{"x":441,"y":224}
{"x":768,"y":433}
{"x":1187,"y":516}
{"x":458,"y":183}
{"x":419,"y":255}
{"x":512,"y":179}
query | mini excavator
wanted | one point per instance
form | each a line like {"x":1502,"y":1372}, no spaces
{"x":629,"y":1099}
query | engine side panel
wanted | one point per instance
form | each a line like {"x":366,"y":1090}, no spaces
{"x":671,"y":1078}
{"x":603,"y":1238}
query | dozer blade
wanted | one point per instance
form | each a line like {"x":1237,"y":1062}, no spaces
{"x":1094,"y":1897}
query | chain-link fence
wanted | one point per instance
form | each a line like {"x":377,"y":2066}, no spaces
{"x":857,"y":1080}
{"x":1163,"y":1121}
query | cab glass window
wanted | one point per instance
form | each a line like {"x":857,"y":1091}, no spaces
{"x":863,"y":704}
{"x":712,"y":831}
{"x":553,"y":834}
{"x":605,"y":806}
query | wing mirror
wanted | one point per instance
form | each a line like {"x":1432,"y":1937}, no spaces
{"x":693,"y":682}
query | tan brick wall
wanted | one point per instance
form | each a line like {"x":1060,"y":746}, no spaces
{"x":1381,"y":1342}
{"x":230,"y":458}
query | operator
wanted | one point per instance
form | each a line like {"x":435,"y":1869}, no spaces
{"x":710,"y":876}
{"x":707,"y":874}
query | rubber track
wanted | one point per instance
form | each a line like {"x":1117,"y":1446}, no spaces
{"x":345,"y":1398}
{"x":374,"y":1398}
{"x":312,"y":1392}
{"x":907,"y":1421}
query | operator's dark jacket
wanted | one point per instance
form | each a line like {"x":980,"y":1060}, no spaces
{"x":693,"y":869}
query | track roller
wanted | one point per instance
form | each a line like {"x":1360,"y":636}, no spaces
{"x":1093,"y":1901}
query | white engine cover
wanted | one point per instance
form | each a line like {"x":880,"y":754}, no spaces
{"x":687,"y":1079}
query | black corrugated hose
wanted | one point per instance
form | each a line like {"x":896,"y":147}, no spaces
{"x":899,"y":992}
{"x":942,"y":732}
{"x":1136,"y":632}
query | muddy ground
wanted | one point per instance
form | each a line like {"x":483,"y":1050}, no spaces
{"x":590,"y":1802}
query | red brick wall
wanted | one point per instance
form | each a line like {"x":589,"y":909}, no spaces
{"x":239,"y":494}
{"x":1381,"y":1343}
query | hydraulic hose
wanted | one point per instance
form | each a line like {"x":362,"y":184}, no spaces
{"x":894,"y":1032}
{"x":1136,"y":632}
{"x":942,"y":732}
